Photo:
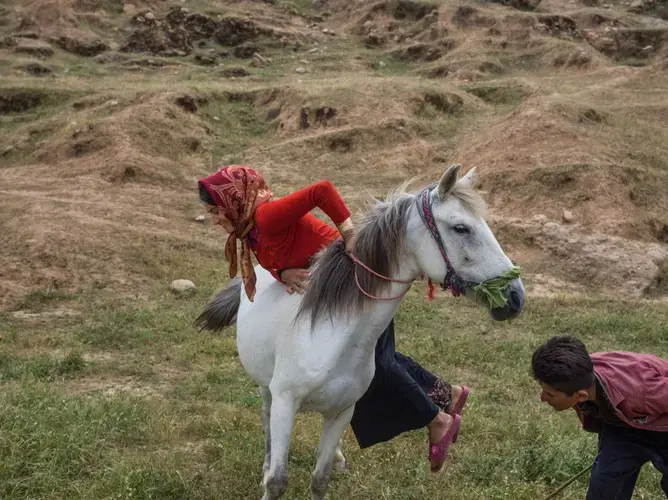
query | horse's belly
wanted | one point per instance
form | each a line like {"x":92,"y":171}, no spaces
{"x":339,"y":392}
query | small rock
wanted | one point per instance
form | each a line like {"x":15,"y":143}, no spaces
{"x":216,"y":119}
{"x":382,"y":64}
{"x":206,"y":59}
{"x":200,"y":218}
{"x":325,"y":30}
{"x":140,"y":19}
{"x":313,"y":50}
{"x":258,"y":61}
{"x":149,"y":16}
{"x":113,"y":103}
{"x":303,"y":61}
{"x":567,"y":216}
{"x":234,"y":72}
{"x":647,"y":49}
{"x":182,"y":286}
{"x":301,"y":71}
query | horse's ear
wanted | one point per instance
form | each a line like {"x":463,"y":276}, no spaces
{"x":469,"y":178}
{"x":448,"y":181}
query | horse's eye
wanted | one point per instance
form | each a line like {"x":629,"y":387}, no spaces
{"x":461,"y":229}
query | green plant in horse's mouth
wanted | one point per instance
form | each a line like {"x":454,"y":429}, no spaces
{"x":492,"y":291}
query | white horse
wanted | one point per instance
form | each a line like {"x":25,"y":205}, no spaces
{"x":316,"y":352}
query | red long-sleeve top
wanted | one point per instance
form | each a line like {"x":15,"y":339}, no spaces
{"x":289,"y":235}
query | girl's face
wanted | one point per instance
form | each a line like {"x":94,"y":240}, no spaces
{"x":218,"y":219}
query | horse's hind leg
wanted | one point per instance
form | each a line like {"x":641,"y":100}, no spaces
{"x":340,"y":462}
{"x":265,"y":394}
{"x":283,"y":409}
{"x":330,"y":440}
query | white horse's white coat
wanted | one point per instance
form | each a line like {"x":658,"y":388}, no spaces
{"x":329,"y":368}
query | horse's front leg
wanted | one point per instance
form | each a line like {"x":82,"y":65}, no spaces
{"x":282,"y":418}
{"x":330,"y":440}
{"x":265,"y":394}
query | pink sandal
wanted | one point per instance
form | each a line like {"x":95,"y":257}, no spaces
{"x":439,"y":451}
{"x":460,"y":406}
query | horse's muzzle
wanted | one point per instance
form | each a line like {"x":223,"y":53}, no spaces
{"x":514,"y":302}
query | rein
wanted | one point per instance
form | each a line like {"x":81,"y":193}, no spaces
{"x":452,"y":281}
{"x":386,"y":278}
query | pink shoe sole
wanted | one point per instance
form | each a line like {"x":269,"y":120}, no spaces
{"x":460,"y":406}
{"x":438,"y":452}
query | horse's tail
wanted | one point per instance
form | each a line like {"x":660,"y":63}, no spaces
{"x":221,"y":311}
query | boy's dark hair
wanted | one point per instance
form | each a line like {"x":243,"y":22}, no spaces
{"x":563,"y":363}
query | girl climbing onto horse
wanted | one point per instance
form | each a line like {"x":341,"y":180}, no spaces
{"x":284,"y":236}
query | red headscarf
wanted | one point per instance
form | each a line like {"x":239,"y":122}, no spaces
{"x":237,"y":191}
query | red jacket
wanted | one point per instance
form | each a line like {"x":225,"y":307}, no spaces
{"x":289,"y":235}
{"x":636,"y":386}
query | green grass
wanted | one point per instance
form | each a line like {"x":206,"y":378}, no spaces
{"x":183,"y":418}
{"x":40,"y":367}
{"x":237,"y":126}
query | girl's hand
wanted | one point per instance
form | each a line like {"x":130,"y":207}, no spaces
{"x":296,"y":279}
{"x":347,"y":231}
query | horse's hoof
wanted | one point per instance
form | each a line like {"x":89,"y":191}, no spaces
{"x":341,"y":466}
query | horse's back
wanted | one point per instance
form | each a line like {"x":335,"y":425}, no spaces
{"x":261,"y":322}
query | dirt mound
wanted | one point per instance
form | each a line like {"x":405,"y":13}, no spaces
{"x":443,"y":102}
{"x":609,"y":265}
{"x":175,"y":35}
{"x":97,"y":163}
{"x":423,"y":51}
{"x":628,"y":43}
{"x":29,"y":46}
{"x":464,"y":69}
{"x":653,"y":8}
{"x":88,"y":47}
{"x":466,"y":16}
{"x":528,"y":5}
{"x":558,"y":25}
{"x":235,"y":31}
{"x":609,"y":193}
{"x":390,"y":22}
{"x":180,"y":31}
{"x":35,"y":68}
{"x":22,"y":99}
{"x":500,"y":94}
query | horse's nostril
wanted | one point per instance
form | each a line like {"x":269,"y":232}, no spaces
{"x":514,"y":299}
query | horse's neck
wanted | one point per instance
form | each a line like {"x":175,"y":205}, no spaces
{"x":358,"y":334}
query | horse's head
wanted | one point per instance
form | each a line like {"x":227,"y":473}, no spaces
{"x":468,"y":257}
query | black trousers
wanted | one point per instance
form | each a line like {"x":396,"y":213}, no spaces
{"x":622,"y":451}
{"x":397,"y":400}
